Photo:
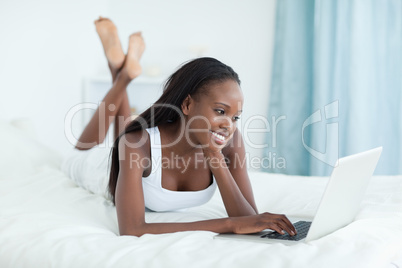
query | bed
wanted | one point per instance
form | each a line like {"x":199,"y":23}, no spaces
{"x":48,"y":221}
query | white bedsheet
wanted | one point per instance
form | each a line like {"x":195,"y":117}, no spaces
{"x":47,"y":221}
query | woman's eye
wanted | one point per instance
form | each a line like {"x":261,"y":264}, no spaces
{"x":220,"y":111}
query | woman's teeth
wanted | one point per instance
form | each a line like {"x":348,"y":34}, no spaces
{"x":222,"y":138}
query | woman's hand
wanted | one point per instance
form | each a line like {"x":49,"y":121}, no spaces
{"x":257,"y":223}
{"x":215,"y":159}
{"x":208,"y":153}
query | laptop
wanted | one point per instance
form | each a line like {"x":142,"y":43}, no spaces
{"x":338,"y":207}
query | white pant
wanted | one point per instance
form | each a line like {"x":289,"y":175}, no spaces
{"x":89,"y":169}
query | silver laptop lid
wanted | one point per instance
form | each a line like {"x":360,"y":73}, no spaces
{"x":344,"y":193}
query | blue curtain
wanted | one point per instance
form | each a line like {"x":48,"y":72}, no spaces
{"x":336,"y":85}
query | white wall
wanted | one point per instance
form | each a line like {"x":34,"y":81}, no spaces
{"x":48,"y":47}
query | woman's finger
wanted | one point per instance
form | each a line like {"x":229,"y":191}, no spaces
{"x":290,"y":225}
{"x":276,"y":228}
{"x":285,"y":227}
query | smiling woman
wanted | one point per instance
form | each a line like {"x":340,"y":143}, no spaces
{"x":191,"y":128}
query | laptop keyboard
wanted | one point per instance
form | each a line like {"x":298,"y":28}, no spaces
{"x":302,"y":228}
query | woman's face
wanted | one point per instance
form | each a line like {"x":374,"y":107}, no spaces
{"x":211,"y":117}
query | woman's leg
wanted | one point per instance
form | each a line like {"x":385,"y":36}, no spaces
{"x":114,"y":106}
{"x":124,"y":111}
{"x":136,"y":47}
{"x":109,"y":37}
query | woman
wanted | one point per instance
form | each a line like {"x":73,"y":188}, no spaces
{"x":176,"y":153}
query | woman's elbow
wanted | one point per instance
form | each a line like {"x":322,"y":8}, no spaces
{"x":132,"y":233}
{"x":137,"y":231}
{"x":137,"y":234}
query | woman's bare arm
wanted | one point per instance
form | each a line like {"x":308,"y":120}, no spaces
{"x":232,"y":178}
{"x":130,"y":205}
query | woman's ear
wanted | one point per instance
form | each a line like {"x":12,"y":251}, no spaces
{"x":186,"y":105}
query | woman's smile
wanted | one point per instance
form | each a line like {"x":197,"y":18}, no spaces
{"x":218,"y":138}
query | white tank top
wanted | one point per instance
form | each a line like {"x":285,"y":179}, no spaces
{"x":157,"y":198}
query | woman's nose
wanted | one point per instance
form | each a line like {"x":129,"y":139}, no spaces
{"x":226,"y":123}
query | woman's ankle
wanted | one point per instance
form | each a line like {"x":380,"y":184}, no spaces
{"x":122,"y":79}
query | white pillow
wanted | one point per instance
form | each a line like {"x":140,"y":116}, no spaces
{"x":21,"y":154}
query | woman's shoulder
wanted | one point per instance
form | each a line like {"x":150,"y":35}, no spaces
{"x":137,"y":140}
{"x":135,"y":146}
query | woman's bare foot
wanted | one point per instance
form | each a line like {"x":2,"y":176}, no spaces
{"x":107,"y":32}
{"x":136,"y":47}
